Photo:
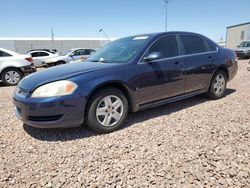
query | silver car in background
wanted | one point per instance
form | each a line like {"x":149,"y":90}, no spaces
{"x":40,"y":56}
{"x":243,"y":50}
{"x":14,"y":66}
{"x":76,"y":54}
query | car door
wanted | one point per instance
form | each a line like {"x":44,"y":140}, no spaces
{"x":162,"y":78}
{"x":39,"y":57}
{"x":77,"y":54}
{"x":199,"y":57}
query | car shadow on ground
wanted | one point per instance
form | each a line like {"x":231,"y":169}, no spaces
{"x":67,"y":134}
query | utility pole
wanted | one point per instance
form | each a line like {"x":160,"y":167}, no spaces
{"x":52,"y":39}
{"x":101,"y":30}
{"x":166,"y":26}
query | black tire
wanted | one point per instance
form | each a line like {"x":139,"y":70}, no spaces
{"x":94,"y":122}
{"x":217,"y":92}
{"x":11,"y":82}
{"x":59,"y":63}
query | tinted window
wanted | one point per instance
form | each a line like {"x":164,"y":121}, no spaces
{"x":86,"y":52}
{"x":193,"y":44}
{"x":40,"y":54}
{"x":4,"y":54}
{"x":212,"y":46}
{"x":167,"y":46}
{"x":34,"y":54}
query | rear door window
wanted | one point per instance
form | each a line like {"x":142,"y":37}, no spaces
{"x":168,"y":46}
{"x":41,"y":54}
{"x":33,"y":54}
{"x":4,"y":54}
{"x":193,"y":44}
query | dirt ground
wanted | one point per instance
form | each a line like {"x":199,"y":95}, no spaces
{"x":196,"y":142}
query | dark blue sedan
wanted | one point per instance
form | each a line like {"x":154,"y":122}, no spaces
{"x":127,"y":75}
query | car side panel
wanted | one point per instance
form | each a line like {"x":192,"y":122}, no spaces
{"x":199,"y":69}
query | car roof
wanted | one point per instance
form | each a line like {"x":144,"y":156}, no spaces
{"x":40,"y":51}
{"x":166,"y":33}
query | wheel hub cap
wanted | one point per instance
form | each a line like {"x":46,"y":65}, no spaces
{"x":219,"y":84}
{"x":109,"y":110}
{"x":12,"y":77}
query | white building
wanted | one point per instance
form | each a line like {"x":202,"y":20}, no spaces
{"x":22,"y":45}
{"x":236,"y":34}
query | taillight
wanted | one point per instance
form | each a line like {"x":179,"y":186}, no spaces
{"x":29,"y":59}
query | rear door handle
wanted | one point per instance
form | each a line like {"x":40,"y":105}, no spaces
{"x":210,"y":58}
{"x":178,"y":64}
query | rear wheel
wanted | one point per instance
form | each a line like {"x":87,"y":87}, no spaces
{"x":11,"y":76}
{"x":107,"y":110}
{"x":218,"y":85}
{"x":59,"y":63}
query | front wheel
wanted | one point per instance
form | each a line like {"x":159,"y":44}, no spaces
{"x":218,"y":85}
{"x":11,"y":76}
{"x":107,"y":110}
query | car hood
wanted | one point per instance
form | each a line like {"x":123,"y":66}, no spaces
{"x":61,"y":72}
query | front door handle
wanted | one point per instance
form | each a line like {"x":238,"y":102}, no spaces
{"x":210,"y":58}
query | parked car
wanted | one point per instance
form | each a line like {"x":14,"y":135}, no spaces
{"x":39,"y":57}
{"x":70,"y":55}
{"x":127,"y":75}
{"x":243,"y":50}
{"x":248,"y":66}
{"x":14,"y":66}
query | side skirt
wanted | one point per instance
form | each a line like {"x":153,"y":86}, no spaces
{"x":169,"y":100}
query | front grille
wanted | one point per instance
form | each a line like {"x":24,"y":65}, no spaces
{"x":44,"y":118}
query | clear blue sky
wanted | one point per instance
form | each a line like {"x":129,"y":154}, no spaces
{"x":84,"y":18}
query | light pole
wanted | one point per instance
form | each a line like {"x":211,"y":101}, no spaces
{"x":101,"y":30}
{"x":166,"y":26}
{"x":52,"y":38}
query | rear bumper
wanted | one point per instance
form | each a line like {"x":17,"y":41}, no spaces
{"x":28,"y":69}
{"x":53,"y":112}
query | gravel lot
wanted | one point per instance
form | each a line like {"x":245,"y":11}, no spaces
{"x":192,"y":143}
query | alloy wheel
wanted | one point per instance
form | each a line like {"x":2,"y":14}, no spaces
{"x":12,"y":77}
{"x":219,"y":84}
{"x":109,"y":111}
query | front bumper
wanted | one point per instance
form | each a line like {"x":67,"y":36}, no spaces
{"x":28,"y":69}
{"x":54,"y":112}
{"x":242,"y":54}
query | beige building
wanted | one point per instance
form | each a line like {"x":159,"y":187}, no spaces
{"x":236,"y":34}
{"x":22,"y":45}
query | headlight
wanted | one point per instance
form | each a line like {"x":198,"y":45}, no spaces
{"x":54,"y":89}
{"x":247,"y":51}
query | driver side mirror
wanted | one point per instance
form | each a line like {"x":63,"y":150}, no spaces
{"x":152,"y":56}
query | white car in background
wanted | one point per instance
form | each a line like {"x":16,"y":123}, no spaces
{"x":14,"y":66}
{"x":40,"y":56}
{"x":76,"y":54}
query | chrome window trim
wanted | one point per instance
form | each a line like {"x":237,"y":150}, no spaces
{"x":179,"y":56}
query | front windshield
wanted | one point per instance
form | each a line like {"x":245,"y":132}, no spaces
{"x":245,"y":44}
{"x":119,"y":51}
{"x":66,"y":52}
